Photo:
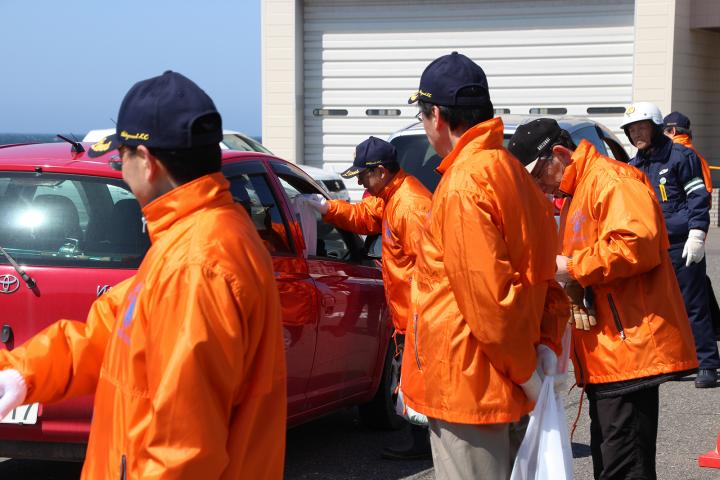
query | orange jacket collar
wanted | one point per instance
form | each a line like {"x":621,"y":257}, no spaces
{"x":579,"y":162}
{"x":164,"y":211}
{"x":392,"y":185}
{"x":683,"y":139}
{"x":488,"y":134}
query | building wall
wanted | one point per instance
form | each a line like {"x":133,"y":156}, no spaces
{"x":696,"y":81}
{"x":282,"y":77}
{"x":653,"y":58}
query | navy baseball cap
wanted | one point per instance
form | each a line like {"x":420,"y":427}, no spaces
{"x":532,"y":139}
{"x":446,"y":76}
{"x":677,"y":119}
{"x":371,"y":153}
{"x":168,"y":112}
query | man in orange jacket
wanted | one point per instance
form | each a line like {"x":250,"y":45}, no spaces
{"x":186,"y":357}
{"x":614,"y":242}
{"x":482,"y":276}
{"x":676,"y":126}
{"x":396,"y":208}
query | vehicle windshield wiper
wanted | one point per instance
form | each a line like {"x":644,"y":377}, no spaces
{"x":26,"y":278}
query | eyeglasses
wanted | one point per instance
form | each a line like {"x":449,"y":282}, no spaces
{"x":419,"y":116}
{"x":116,"y":160}
{"x":543,"y":161}
{"x":362,"y":175}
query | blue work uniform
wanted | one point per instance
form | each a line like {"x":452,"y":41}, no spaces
{"x":675,"y":173}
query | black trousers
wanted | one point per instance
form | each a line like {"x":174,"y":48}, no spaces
{"x":623,"y":434}
{"x":694,"y":288}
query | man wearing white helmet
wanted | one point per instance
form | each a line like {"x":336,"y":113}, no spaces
{"x":675,"y":173}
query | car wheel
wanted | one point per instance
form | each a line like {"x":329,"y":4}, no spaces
{"x":380,"y":411}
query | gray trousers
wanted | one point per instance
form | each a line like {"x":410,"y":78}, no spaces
{"x":475,"y":452}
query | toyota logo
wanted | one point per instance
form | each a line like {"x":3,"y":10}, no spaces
{"x":9,"y":283}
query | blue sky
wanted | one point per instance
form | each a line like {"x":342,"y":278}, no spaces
{"x":65,"y":66}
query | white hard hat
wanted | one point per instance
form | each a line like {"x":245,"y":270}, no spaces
{"x":640,"y":111}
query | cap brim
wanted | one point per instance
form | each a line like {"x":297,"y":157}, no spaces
{"x":531,"y":166}
{"x":105,"y":145}
{"x":414,"y":98}
{"x":351,"y":172}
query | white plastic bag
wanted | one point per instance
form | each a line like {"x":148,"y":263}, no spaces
{"x":408,"y":413}
{"x":545,"y":452}
{"x":308,"y":223}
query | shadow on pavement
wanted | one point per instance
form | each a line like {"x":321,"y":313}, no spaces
{"x":39,"y":470}
{"x":339,"y":446}
{"x":581,"y":450}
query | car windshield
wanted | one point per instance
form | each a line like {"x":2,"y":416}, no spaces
{"x":70,"y":220}
{"x":244,"y":144}
{"x":419,"y":159}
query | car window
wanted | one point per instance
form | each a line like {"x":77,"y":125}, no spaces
{"x":590,"y":134}
{"x":71,"y":190}
{"x":244,"y":144}
{"x":614,"y":148}
{"x":253,"y":192}
{"x":70,"y":220}
{"x":331,"y":241}
{"x":418,"y":158}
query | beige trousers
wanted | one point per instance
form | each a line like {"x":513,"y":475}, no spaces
{"x":474,"y":452}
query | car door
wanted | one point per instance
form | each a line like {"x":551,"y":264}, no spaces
{"x":352,"y":305}
{"x":251,"y":187}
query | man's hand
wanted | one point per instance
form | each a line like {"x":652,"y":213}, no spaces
{"x":562,"y":274}
{"x":581,"y":309}
{"x":532,"y":387}
{"x":547,"y":363}
{"x":12,"y":391}
{"x":317,"y":202}
{"x":694,"y":249}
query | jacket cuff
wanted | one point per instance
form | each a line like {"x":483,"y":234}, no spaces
{"x":332,"y":210}
{"x":571,"y":268}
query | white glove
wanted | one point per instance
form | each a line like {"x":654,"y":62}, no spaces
{"x":532,"y":387}
{"x":12,"y":391}
{"x":694,"y":249}
{"x":547,"y":363}
{"x":317,"y":202}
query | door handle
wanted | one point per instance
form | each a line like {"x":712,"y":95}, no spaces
{"x":328,"y":301}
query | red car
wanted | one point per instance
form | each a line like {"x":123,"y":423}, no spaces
{"x":74,"y":229}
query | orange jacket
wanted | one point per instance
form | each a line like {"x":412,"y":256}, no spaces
{"x":685,"y":140}
{"x":185,"y":358}
{"x":614,"y":232}
{"x":481,"y":282}
{"x":398,"y":213}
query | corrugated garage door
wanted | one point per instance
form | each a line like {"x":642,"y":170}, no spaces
{"x":363,"y":58}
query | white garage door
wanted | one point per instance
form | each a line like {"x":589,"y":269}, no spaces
{"x":363,"y":58}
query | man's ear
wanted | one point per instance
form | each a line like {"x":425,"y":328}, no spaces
{"x":563,"y":153}
{"x":437,"y":121}
{"x":152,"y":167}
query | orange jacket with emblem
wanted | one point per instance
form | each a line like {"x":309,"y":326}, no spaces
{"x":614,"y":232}
{"x":185,"y":358}
{"x":481,"y":281}
{"x":684,"y":139}
{"x":398,"y":213}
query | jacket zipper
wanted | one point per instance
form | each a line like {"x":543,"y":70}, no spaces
{"x":616,"y":316}
{"x":123,"y":468}
{"x":415,"y":329}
